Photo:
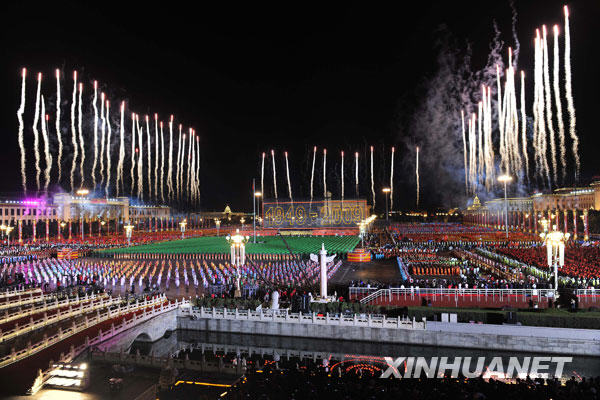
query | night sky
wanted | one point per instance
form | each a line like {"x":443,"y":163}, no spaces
{"x":253,"y":78}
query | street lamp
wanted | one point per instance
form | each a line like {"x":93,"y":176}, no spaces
{"x":555,"y":245}
{"x":387,"y":191}
{"x":238,"y":255}
{"x":128,"y":230}
{"x":9,"y":229}
{"x":254,"y":200}
{"x":218,"y":224}
{"x":182,"y":226}
{"x":505,"y":179}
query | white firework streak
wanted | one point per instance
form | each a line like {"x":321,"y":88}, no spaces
{"x":102,"y":138}
{"x":536,"y":140}
{"x":356,"y":172}
{"x":569,"y":95}
{"x":170,"y":171}
{"x":462,"y":118}
{"x":36,"y":135}
{"x":155,"y":156}
{"x":471,"y":157}
{"x":182,"y":161}
{"x":120,"y":177}
{"x":140,"y":163}
{"x":558,"y":103}
{"x":500,"y":118}
{"x":149,"y":157}
{"x":20,"y":112}
{"x":541,"y":117}
{"x":262,"y":174}
{"x":46,"y":146}
{"x":524,"y":126}
{"x":342,"y":174}
{"x":189,"y":167}
{"x":178,"y":188}
{"x":108,"y":148}
{"x":372,"y":179}
{"x":548,"y":94}
{"x":95,"y":133}
{"x":392,"y":181}
{"x":417,"y":173}
{"x":192,"y":168}
{"x":81,"y":141}
{"x":480,"y":160}
{"x":324,"y":173}
{"x":198,"y":168}
{"x":312,"y":173}
{"x":287,"y":173}
{"x":162,"y":163}
{"x":132,"y":171}
{"x":274,"y":173}
{"x":74,"y":132}
{"x":57,"y":127}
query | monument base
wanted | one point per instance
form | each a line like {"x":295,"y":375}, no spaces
{"x":328,"y":299}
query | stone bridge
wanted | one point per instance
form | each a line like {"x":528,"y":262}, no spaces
{"x":148,"y":331}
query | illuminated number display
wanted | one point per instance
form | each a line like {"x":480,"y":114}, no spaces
{"x":315,"y":214}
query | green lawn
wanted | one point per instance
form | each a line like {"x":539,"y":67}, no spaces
{"x":271,"y":245}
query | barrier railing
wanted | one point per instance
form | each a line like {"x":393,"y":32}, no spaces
{"x":48,"y":306}
{"x":389,"y":294}
{"x":300,"y":318}
{"x":25,"y":300}
{"x":78,"y":327}
{"x":43,"y":376}
{"x":17,"y":292}
{"x":18,"y":330}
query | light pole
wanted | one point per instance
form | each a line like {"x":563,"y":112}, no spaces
{"x":60,"y":230}
{"x":505,"y":179}
{"x":218,"y":224}
{"x":254,"y":200}
{"x":8,"y":231}
{"x":128,"y":230}
{"x":182,"y":226}
{"x":387,"y":191}
{"x":555,"y":245}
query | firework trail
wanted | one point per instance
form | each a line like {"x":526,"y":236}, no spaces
{"x":480,"y":159}
{"x":57,"y":123}
{"x":356,"y":172}
{"x":500,"y":117}
{"x":189,"y":169}
{"x":462,"y":118}
{"x":74,"y":131}
{"x":559,"y":117}
{"x":548,"y":93}
{"x":108,"y":147}
{"x":274,"y":173}
{"x":192,"y":168}
{"x":536,"y":140}
{"x":287,"y":172}
{"x":182,"y":161}
{"x":80,"y":129}
{"x":312,"y":173}
{"x":524,"y":125}
{"x":262,"y":175}
{"x":543,"y":146}
{"x":46,"y":145}
{"x":170,"y":171}
{"x":417,"y":173}
{"x":149,"y":157}
{"x":132,"y":172}
{"x":102,"y":138}
{"x":162,"y":162}
{"x":372,"y":179}
{"x":342,"y":174}
{"x":569,"y":95}
{"x":95,"y":99}
{"x":198,"y":168}
{"x":36,"y":138}
{"x":20,"y":112}
{"x":121,"y":149}
{"x":471,"y":156}
{"x":392,"y":181}
{"x":324,"y":173}
{"x":178,"y":191}
{"x":140,"y":162}
{"x":156,"y":156}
